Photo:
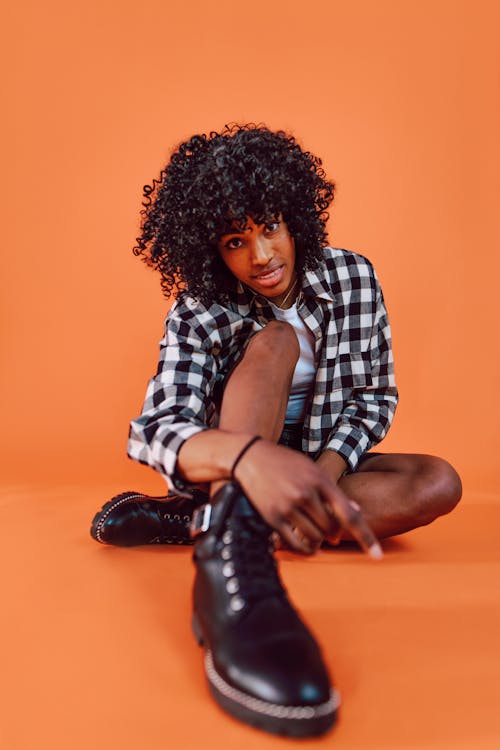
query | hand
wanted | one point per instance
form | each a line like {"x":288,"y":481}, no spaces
{"x":298,"y":499}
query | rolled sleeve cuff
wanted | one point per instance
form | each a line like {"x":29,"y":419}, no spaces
{"x":163,"y":453}
{"x":350,"y":443}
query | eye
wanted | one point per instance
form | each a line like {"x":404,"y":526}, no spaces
{"x":233,"y":244}
{"x":271,"y":226}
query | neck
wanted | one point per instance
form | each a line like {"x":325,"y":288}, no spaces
{"x":286,"y":300}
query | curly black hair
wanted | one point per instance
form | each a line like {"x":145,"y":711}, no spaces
{"x":214,"y":182}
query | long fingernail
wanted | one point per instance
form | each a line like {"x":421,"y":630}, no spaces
{"x":375,"y":551}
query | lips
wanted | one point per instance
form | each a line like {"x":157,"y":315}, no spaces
{"x":271,"y":277}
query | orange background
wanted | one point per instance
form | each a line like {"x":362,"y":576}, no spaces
{"x":399,"y":99}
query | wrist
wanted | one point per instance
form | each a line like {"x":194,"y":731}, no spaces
{"x":209,"y":455}
{"x":242,"y":453}
{"x":228,"y":457}
{"x":333,"y":464}
{"x":243,"y":467}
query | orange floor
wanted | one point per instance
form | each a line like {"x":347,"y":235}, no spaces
{"x":98,"y":653}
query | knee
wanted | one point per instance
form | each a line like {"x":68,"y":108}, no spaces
{"x":277,"y":339}
{"x":438,"y":487}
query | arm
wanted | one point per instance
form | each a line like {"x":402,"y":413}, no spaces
{"x":288,"y":489}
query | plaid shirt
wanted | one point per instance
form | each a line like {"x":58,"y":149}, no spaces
{"x":354,"y":397}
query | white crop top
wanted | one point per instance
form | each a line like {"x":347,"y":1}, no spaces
{"x":304,"y":373}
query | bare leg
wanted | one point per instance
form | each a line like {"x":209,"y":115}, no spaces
{"x":256,"y":394}
{"x":398,"y":492}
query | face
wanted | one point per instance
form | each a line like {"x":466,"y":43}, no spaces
{"x":262,"y":257}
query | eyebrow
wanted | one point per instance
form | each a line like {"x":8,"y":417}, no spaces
{"x":237,"y":232}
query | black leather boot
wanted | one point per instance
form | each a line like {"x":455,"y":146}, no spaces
{"x":132,"y":518}
{"x":262,"y":663}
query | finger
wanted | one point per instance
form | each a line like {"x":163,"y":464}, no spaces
{"x":337,"y":533}
{"x":350,"y":517}
{"x":318,"y":512}
{"x":305,"y":526}
{"x":276,"y":540}
{"x":295,"y":539}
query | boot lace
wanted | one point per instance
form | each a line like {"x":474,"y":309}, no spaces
{"x":175,"y":519}
{"x":250,"y":567}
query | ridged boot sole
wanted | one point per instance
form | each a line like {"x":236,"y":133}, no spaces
{"x":100,"y":518}
{"x":291,"y":721}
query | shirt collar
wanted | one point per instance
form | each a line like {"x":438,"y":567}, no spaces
{"x":315,"y":284}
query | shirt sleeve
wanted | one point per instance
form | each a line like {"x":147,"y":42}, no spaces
{"x":178,"y":399}
{"x":368,"y":413}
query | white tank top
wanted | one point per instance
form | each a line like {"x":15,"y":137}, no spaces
{"x":305,"y":371}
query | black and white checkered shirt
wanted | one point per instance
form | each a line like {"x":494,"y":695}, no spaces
{"x":354,"y":396}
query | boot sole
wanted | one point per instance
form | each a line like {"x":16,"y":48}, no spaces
{"x":100,"y":518}
{"x":290,"y":721}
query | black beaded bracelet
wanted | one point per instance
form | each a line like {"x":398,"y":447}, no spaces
{"x":242,"y":453}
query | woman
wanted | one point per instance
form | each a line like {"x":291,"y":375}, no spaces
{"x":275,"y":379}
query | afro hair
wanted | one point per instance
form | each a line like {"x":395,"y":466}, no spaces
{"x":214,"y":182}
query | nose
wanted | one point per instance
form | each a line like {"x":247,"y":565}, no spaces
{"x":262,"y":251}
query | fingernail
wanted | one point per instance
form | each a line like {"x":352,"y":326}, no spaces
{"x":355,"y":505}
{"x":375,"y":551}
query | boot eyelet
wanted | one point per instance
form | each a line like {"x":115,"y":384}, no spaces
{"x":237,"y":603}
{"x":232,"y":586}
{"x":226,"y":553}
{"x":228,"y":570}
{"x":227,"y":537}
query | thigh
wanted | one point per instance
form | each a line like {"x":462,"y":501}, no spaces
{"x":426,"y":482}
{"x":403,"y":463}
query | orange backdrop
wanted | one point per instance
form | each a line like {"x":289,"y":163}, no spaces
{"x":400,"y":100}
